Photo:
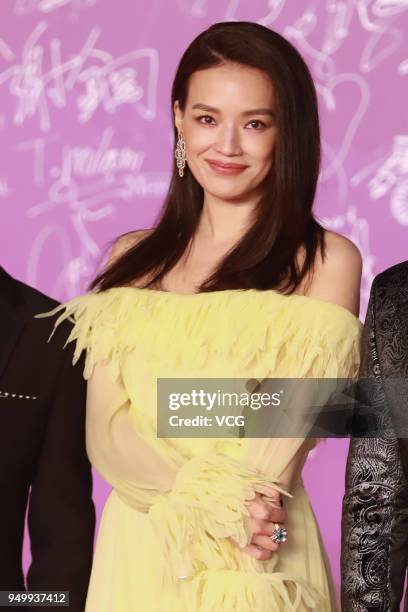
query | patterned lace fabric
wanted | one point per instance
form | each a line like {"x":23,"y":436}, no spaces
{"x":375,"y":507}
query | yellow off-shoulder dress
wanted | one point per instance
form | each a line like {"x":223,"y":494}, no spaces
{"x":164,"y":539}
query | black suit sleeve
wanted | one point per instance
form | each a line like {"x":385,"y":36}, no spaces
{"x":371,"y":570}
{"x":61,"y":515}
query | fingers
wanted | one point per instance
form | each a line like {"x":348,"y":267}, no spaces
{"x":277,"y":516}
{"x":259,"y":527}
{"x":264,"y":513}
{"x":273,"y":496}
{"x":261,"y":546}
{"x":261,"y":509}
{"x":265,"y":542}
{"x":261,"y":534}
{"x":260,"y":554}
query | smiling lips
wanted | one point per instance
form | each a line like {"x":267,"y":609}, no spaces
{"x":223,"y":168}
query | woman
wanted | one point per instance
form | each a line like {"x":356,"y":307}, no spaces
{"x":236,"y":280}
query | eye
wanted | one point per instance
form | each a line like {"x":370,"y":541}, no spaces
{"x":204,"y":117}
{"x":261,"y":123}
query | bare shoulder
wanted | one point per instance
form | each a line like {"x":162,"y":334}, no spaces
{"x":341,"y":253}
{"x":337,"y":277}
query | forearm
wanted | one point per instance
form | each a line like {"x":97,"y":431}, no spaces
{"x":61,"y":516}
{"x":373,"y":474}
{"x":372,"y":568}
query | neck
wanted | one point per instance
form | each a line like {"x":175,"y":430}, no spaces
{"x":224,"y":222}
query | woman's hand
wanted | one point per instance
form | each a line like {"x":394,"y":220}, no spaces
{"x":264,"y":513}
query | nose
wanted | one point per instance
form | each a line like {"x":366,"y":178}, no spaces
{"x":228,"y":141}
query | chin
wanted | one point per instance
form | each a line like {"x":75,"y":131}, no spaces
{"x":228,"y":194}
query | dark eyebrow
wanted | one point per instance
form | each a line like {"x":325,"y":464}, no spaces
{"x":254,"y":111}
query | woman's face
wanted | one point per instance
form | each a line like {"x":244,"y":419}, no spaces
{"x":229,"y":118}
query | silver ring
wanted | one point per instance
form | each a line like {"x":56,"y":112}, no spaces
{"x":279,"y":535}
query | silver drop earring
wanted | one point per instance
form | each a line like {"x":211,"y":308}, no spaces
{"x":180,"y":154}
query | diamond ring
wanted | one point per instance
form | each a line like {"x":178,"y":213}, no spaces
{"x":279,"y":535}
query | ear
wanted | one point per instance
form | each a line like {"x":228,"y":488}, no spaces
{"x":178,"y":116}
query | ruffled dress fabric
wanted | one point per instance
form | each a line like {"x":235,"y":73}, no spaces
{"x":164,"y":539}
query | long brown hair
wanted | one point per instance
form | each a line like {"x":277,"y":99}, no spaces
{"x":266,"y":255}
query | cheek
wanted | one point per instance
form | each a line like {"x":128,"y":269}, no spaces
{"x":261,"y":150}
{"x":197,"y":139}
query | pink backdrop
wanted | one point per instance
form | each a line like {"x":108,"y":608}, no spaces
{"x":86,"y":140}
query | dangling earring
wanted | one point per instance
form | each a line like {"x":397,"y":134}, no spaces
{"x":180,"y":154}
